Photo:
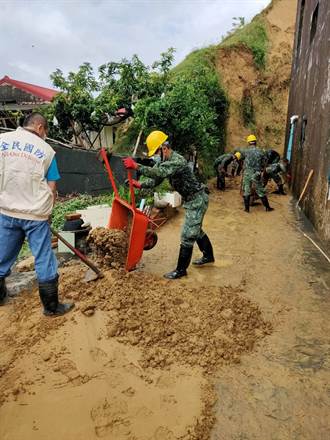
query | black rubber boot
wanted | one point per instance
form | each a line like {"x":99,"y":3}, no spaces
{"x":266,"y":203}
{"x":280,"y":190}
{"x":221,"y":182}
{"x":3,"y":291}
{"x":246,"y":203}
{"x":183,"y":262}
{"x":49,"y":297}
{"x":205,"y":246}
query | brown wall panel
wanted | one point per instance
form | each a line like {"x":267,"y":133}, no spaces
{"x":310,"y":100}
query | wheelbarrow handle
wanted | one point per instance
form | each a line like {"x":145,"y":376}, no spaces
{"x":112,"y":180}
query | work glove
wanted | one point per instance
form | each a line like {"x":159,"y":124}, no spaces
{"x":136,"y":183}
{"x":130,"y":163}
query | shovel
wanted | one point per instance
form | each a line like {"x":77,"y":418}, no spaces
{"x":93,"y":272}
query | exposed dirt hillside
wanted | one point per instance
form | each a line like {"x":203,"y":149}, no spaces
{"x":268,"y":88}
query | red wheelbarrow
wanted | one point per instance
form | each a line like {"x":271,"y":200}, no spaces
{"x":126,"y":216}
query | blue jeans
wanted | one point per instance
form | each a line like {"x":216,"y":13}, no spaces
{"x":12,"y":234}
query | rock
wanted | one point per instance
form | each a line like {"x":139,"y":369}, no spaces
{"x":73,"y":295}
{"x":227,"y":313}
{"x":132,"y":324}
{"x":112,"y":329}
{"x":46,"y":356}
{"x":134,"y":340}
{"x":89,"y":312}
{"x":25,"y":265}
{"x":21,"y":282}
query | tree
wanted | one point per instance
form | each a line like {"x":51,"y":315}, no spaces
{"x":85,"y":102}
{"x":193,"y":111}
{"x":74,"y":106}
{"x":190,"y":105}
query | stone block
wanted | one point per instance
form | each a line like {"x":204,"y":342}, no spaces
{"x":19,"y":282}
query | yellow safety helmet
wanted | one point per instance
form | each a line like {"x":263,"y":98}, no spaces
{"x":251,"y":138}
{"x":154,"y":141}
{"x":238,"y":155}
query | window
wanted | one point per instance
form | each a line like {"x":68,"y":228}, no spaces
{"x":301,"y":19}
{"x":314,"y":24}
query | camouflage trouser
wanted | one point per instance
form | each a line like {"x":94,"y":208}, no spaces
{"x":194,"y":214}
{"x":221,"y":179}
{"x":276,"y":177}
{"x":236,"y":168}
{"x":251,"y":177}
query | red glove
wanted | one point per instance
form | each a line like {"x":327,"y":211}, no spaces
{"x":136,"y":183}
{"x":130,"y":163}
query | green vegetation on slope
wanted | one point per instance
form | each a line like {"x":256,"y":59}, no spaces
{"x":254,"y":37}
{"x":205,"y":56}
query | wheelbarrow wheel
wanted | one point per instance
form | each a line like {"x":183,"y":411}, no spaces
{"x":150,"y":240}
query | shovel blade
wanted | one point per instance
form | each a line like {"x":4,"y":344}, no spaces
{"x":90,"y":275}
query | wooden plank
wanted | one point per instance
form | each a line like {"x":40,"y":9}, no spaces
{"x":305,"y":187}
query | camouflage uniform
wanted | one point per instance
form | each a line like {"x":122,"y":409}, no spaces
{"x":223,"y":161}
{"x":238,"y":164}
{"x":183,"y":180}
{"x":272,"y":156}
{"x":221,"y":165}
{"x":253,"y":166}
{"x":273,"y":172}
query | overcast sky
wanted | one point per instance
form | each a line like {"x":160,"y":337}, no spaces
{"x":38,"y":36}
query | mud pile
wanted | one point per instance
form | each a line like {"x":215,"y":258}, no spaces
{"x":109,"y":246}
{"x":154,"y":338}
{"x":171,"y":322}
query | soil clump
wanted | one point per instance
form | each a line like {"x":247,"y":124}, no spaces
{"x":109,"y":246}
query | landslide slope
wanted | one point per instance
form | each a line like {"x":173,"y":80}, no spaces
{"x":254,"y":67}
{"x":268,"y":87}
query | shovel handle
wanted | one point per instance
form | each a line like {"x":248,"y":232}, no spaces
{"x":80,"y":255}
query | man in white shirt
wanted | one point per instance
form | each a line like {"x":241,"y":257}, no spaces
{"x":28,"y":175}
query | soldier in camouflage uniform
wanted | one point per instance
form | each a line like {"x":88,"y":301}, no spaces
{"x":238,"y":165}
{"x":221,"y":165}
{"x":274,"y":171}
{"x":195,"y":198}
{"x":272,"y":156}
{"x":254,"y":165}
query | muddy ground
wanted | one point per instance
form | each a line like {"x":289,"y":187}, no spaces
{"x":281,"y":391}
{"x":146,"y":358}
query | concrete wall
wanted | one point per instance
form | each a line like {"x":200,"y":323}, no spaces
{"x":310,"y":100}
